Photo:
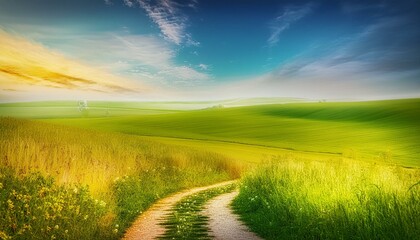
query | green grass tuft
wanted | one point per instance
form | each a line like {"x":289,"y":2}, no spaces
{"x":186,"y":220}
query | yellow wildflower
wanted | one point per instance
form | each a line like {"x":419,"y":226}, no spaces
{"x":10,"y":204}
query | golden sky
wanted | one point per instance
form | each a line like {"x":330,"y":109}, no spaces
{"x":31,"y":69}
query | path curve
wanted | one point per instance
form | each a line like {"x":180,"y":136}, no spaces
{"x":223,"y":223}
{"x":147,"y":225}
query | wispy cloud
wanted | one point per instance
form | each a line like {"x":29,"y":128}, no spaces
{"x":381,"y":60}
{"x":150,"y":59}
{"x":168,"y":16}
{"x":384,"y":47}
{"x":389,"y":45}
{"x":184,"y":74}
{"x":25,"y":63}
{"x":129,"y":3}
{"x":144,"y":58}
{"x":203,"y":66}
{"x":282,"y":22}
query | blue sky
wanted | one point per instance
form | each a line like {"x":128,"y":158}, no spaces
{"x":203,"y":49}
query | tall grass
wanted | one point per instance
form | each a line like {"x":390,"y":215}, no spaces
{"x":293,"y":199}
{"x":125,"y":173}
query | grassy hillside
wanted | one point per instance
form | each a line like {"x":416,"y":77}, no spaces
{"x":70,"y":109}
{"x":250,"y":155}
{"x":107,"y":179}
{"x":377,"y":130}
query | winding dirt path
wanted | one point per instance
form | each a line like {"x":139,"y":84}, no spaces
{"x":147,"y":225}
{"x":223,"y":223}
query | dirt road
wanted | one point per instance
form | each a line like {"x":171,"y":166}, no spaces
{"x":147,"y":225}
{"x":223,"y":223}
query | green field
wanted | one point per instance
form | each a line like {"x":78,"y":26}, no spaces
{"x":100,"y":109}
{"x":374,"y":131}
{"x":359,"y":159}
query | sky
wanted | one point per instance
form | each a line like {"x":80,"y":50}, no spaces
{"x":208,"y":49}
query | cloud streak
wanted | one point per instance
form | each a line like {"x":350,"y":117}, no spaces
{"x":128,"y":3}
{"x":381,"y":60}
{"x":282,"y":22}
{"x":24,"y":63}
{"x":170,"y":20}
{"x":145,"y":57}
{"x":384,"y":47}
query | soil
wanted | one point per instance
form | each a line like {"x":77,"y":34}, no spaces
{"x":223,"y":222}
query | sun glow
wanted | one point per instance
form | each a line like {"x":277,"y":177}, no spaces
{"x":28,"y":66}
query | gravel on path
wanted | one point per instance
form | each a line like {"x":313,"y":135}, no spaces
{"x":223,"y":222}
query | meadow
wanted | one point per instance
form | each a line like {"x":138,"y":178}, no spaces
{"x":108,"y":179}
{"x":101,"y":109}
{"x":309,"y":169}
{"x":369,"y":131}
